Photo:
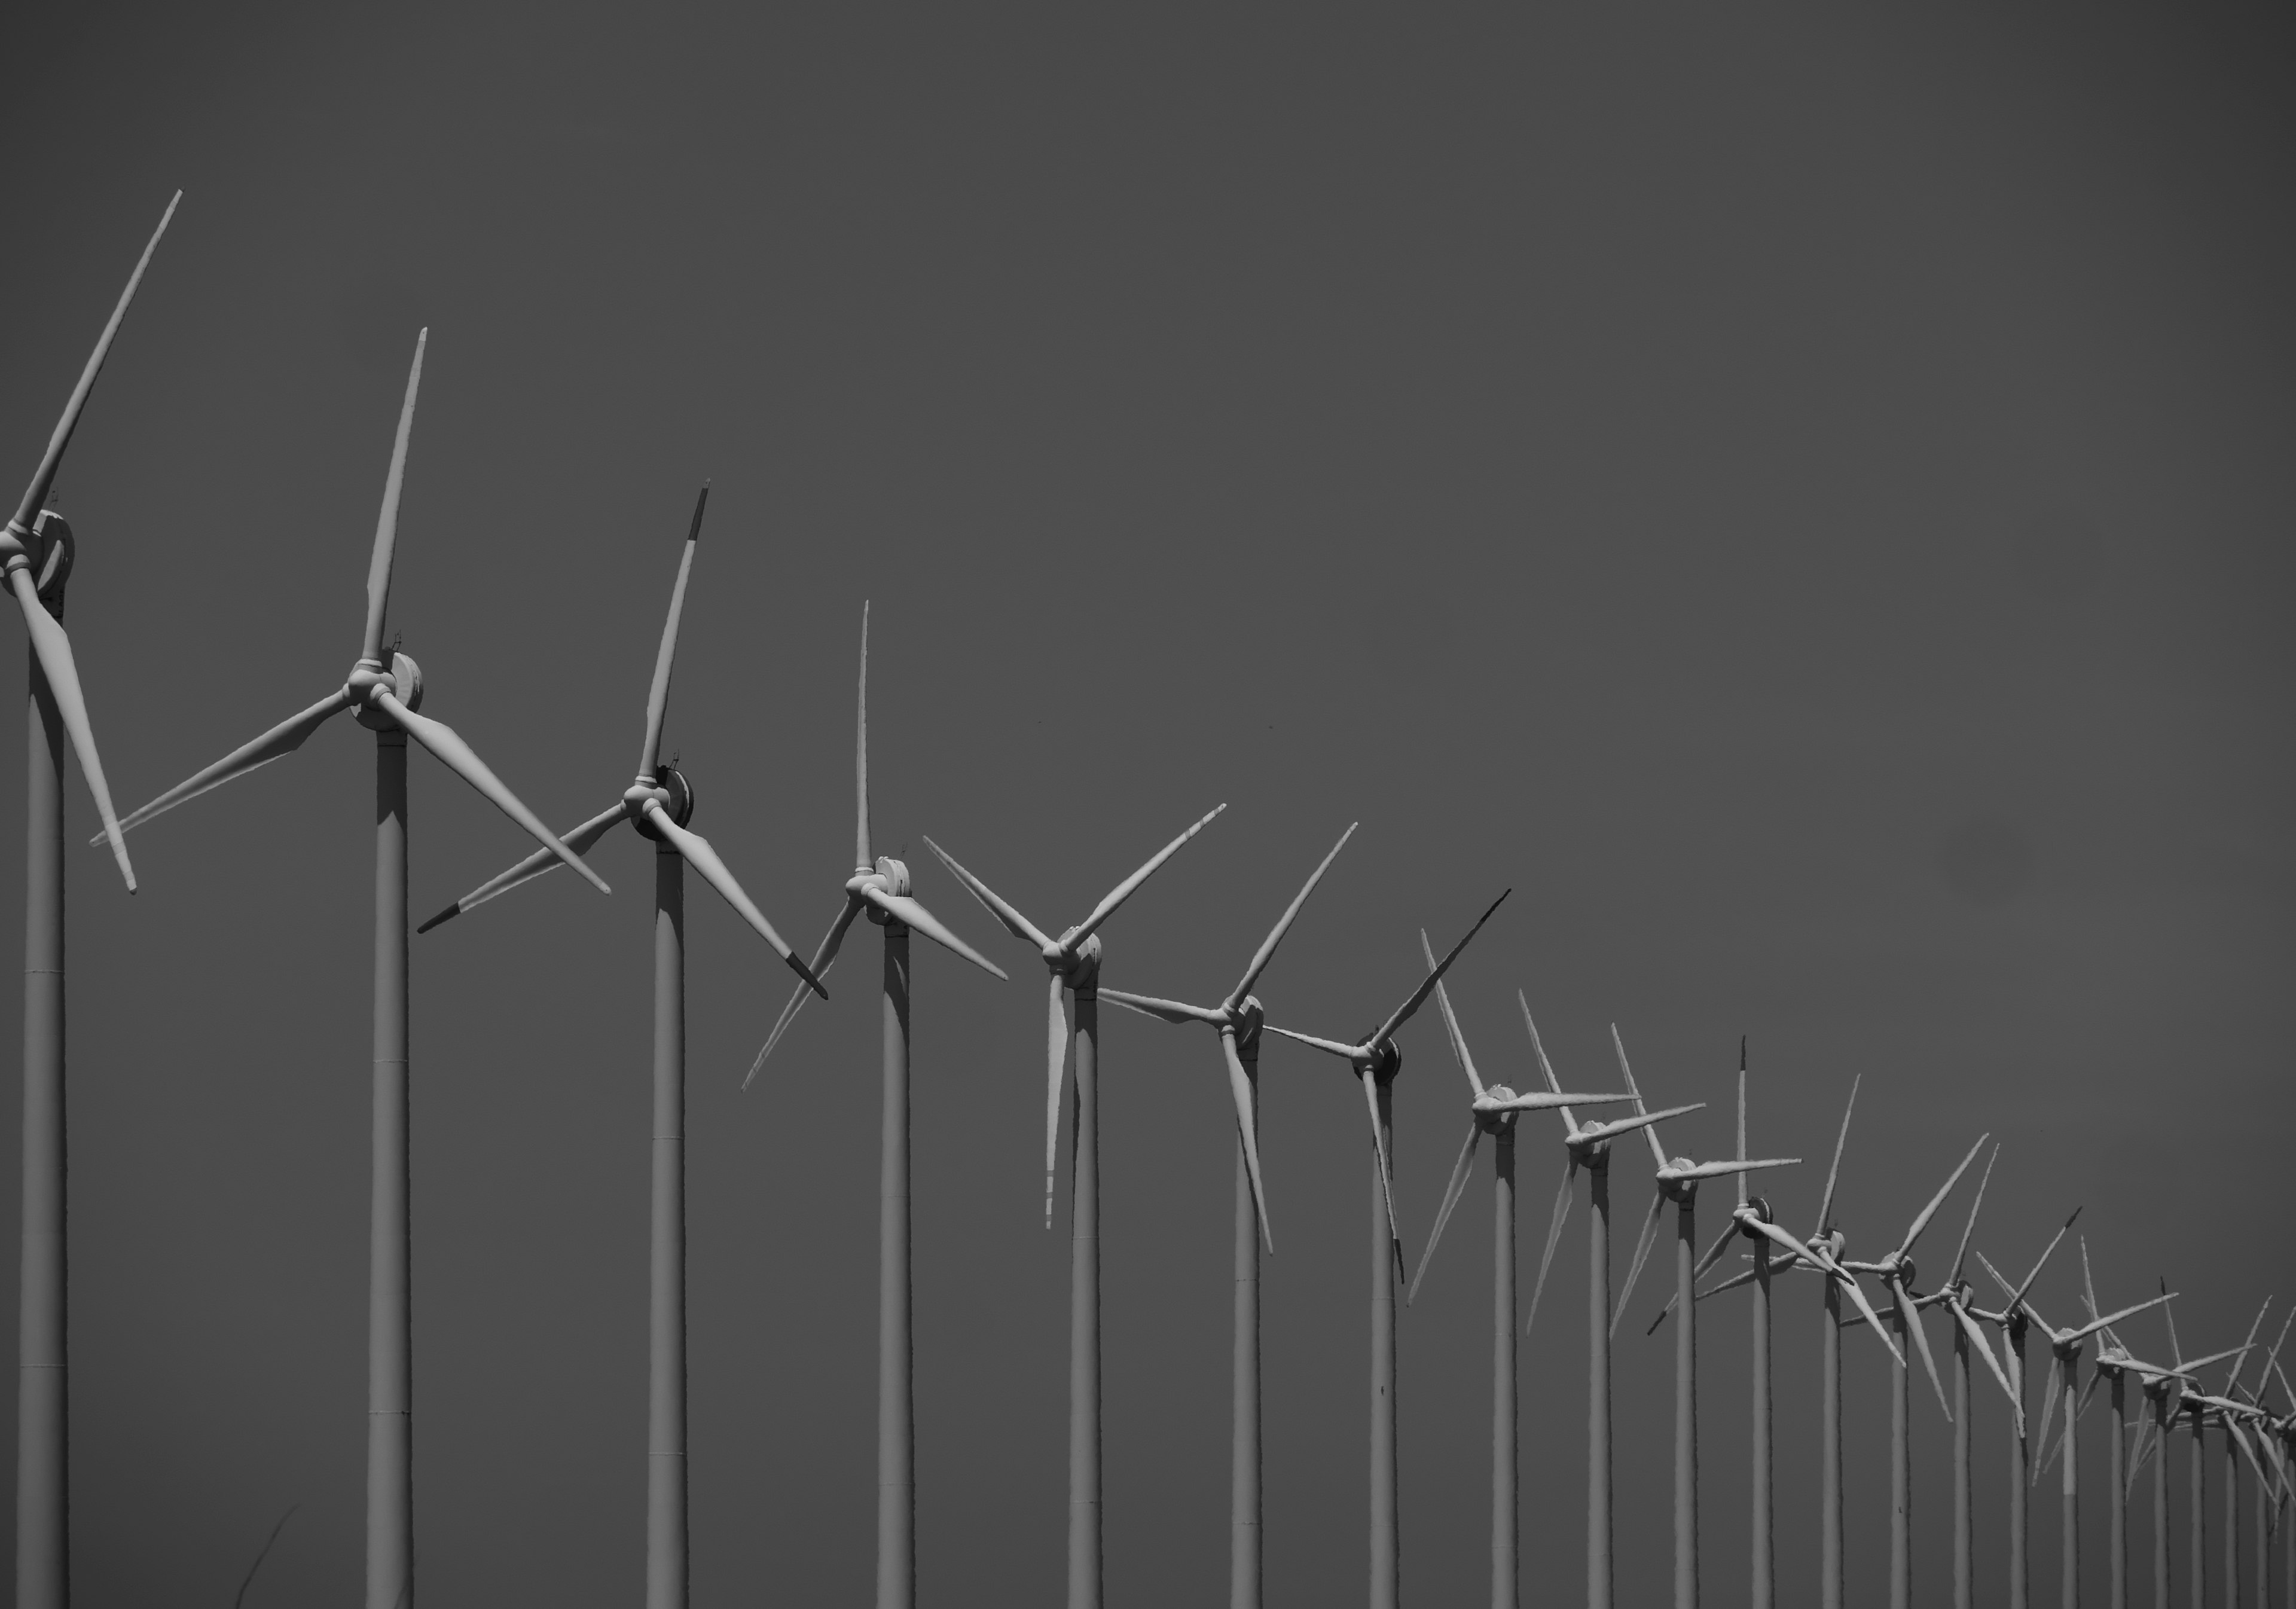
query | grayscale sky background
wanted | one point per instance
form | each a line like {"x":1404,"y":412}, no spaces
{"x":1801,"y":496}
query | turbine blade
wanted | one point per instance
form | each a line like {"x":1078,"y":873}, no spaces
{"x":1919,"y":1331}
{"x":1247,"y":1133}
{"x":1873,"y":1319}
{"x":823,"y":959}
{"x":1386,"y":1174}
{"x":1556,"y":1102}
{"x":1123,"y":890}
{"x":2113,"y":1319}
{"x":1451,"y":1193}
{"x":582,"y":839}
{"x":1826,"y":1206}
{"x":2089,"y":1281}
{"x":1742,"y":1115}
{"x":1056,"y":1046}
{"x":1613,"y":1127}
{"x":2049,"y":1404}
{"x":1983,"y":1347}
{"x":54,"y":652}
{"x":1794,"y":1247}
{"x":1403,"y":1012}
{"x":1459,"y":1051}
{"x":1937,"y":1201}
{"x":284,"y":738}
{"x":1736,"y":1164}
{"x":861,"y":855}
{"x":36,"y":495}
{"x":1658,"y":1156}
{"x":1960,"y":1254}
{"x":1705,"y":1264}
{"x":1554,"y":1234}
{"x":1642,"y":1255}
{"x":1570,"y":1120}
{"x":1169,"y":1011}
{"x":386,"y":524}
{"x":2247,"y":1345}
{"x":666,"y":656}
{"x":2017,"y":1296}
{"x":1267,"y":950}
{"x":1016,"y":923}
{"x":1332,"y":1046}
{"x":702,"y":859}
{"x":905,"y":909}
{"x":463,"y":760}
{"x":2176,"y":1353}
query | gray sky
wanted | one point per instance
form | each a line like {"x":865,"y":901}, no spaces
{"x":1802,"y":499}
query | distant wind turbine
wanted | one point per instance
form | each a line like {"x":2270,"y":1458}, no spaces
{"x":384,"y":696}
{"x":2012,"y":1323}
{"x":36,"y":554}
{"x":1375,"y":1062}
{"x":1678,"y":1182}
{"x":1237,"y":1021}
{"x":1073,"y":962}
{"x":879,"y":889}
{"x":1494,"y":1110}
{"x":2153,"y":1437}
{"x":658,"y":805}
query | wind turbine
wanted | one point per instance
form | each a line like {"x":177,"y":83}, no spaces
{"x":2232,"y":1410}
{"x":879,"y":889}
{"x":1494,"y":1110}
{"x":1751,"y":1219}
{"x":2157,"y":1386}
{"x":1073,"y":962}
{"x":1376,"y":1061}
{"x":1237,"y":1021}
{"x":35,"y":552}
{"x":1954,"y":1297}
{"x":659,"y":804}
{"x":1677,"y":1181}
{"x":2012,"y":1322}
{"x":384,"y":696}
{"x":2065,"y":1350}
{"x":1588,"y":1146}
{"x":1896,"y":1272}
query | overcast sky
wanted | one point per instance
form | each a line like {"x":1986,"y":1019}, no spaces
{"x":1801,"y":496}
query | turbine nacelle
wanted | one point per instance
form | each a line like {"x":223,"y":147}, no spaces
{"x":891,"y":877}
{"x":46,"y":550}
{"x":1245,"y":1018}
{"x":403,"y":681}
{"x":1077,"y":967}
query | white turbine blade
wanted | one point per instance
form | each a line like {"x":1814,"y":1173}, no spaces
{"x":1404,"y":1013}
{"x":2139,"y":1455}
{"x":1016,"y":923}
{"x":1554,"y":1234}
{"x":2089,"y":1281}
{"x":1559,"y":1100}
{"x":2049,"y":1402}
{"x":2048,"y":1252}
{"x":1960,"y":1254}
{"x":2247,"y":1345}
{"x":1613,"y":1127}
{"x":1334,"y":1047}
{"x":1919,"y":1331}
{"x":1833,"y":1173}
{"x":1743,"y":1277}
{"x":1570,"y":1121}
{"x":582,"y":839}
{"x":702,"y":859}
{"x":1978,"y":1343}
{"x":1873,"y":1319}
{"x":1267,"y":950}
{"x":666,"y":656}
{"x":1247,"y":1135}
{"x":463,"y":760}
{"x":824,"y":956}
{"x":2271,"y":1359}
{"x":1922,"y":1222}
{"x":1736,"y":1164}
{"x":54,"y":648}
{"x":2113,"y":1319}
{"x":907,"y":910}
{"x":1794,"y":1247}
{"x":1451,"y":1193}
{"x":1642,"y":1255}
{"x":1626,"y":1071}
{"x":2176,"y":1353}
{"x":386,"y":524}
{"x":1124,"y":890}
{"x":1056,"y":1047}
{"x":1704,"y":1265}
{"x":284,"y":738}
{"x":1166,"y":1011}
{"x":1741,"y":1114}
{"x":1386,"y":1175}
{"x":36,"y":495}
{"x":1459,"y":1052}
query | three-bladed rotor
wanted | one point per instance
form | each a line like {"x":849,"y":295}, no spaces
{"x":1896,"y":1273}
{"x":33,"y":556}
{"x":382,"y":696}
{"x":1073,"y":962}
{"x":658,"y":804}
{"x":879,"y":887}
{"x":1375,"y":1060}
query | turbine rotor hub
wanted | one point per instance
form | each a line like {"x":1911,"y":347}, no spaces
{"x":1079,"y":968}
{"x":669,"y":789}
{"x":892,"y":877}
{"x":1386,"y":1062}
{"x":403,"y":681}
{"x":1758,"y":1208}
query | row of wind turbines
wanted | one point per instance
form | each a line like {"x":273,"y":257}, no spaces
{"x":384,"y":692}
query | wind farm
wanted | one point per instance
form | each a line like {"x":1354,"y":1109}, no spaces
{"x":1456,"y":634}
